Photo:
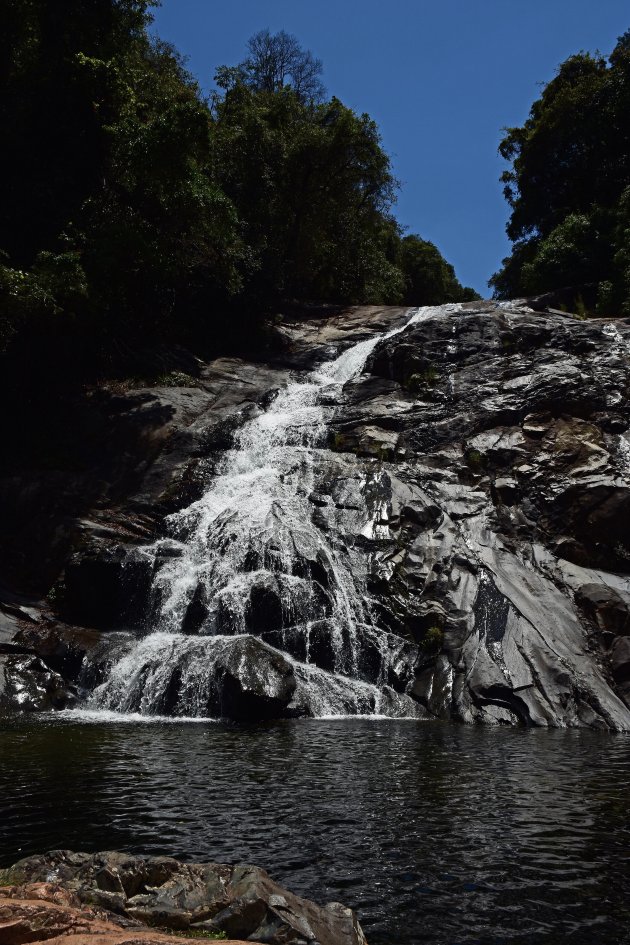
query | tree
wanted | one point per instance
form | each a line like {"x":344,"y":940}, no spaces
{"x":428,"y":278}
{"x":314,"y":189}
{"x":276,"y":61}
{"x":134,"y":213}
{"x":570,"y":165}
{"x":107,"y":179}
{"x":54,"y":108}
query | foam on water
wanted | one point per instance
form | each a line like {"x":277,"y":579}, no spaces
{"x":101,"y":716}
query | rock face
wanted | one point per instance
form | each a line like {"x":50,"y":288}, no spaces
{"x":510,"y":428}
{"x":436,"y":525}
{"x":113,"y":897}
{"x":28,"y":684}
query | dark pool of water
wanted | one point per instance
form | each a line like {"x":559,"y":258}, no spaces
{"x":435,"y":834}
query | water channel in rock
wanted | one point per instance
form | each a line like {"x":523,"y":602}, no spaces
{"x":248,"y":558}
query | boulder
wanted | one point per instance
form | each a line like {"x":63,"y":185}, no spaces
{"x":134,"y":892}
{"x":255,"y":681}
{"x":27,"y":684}
{"x":239,"y":678}
{"x":64,"y":649}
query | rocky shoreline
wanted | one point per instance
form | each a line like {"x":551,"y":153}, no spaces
{"x":476,"y":477}
{"x":117,"y":899}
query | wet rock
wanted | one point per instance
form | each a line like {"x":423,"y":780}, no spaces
{"x":620,"y":659}
{"x":64,"y":649}
{"x":368,"y":440}
{"x":107,"y":587}
{"x":239,"y":678}
{"x":510,"y":437}
{"x":607,"y":606}
{"x":277,"y":601}
{"x":240,"y":901}
{"x":198,"y":611}
{"x":256,"y":682}
{"x":506,"y":491}
{"x":537,"y":424}
{"x":28,"y":685}
{"x":471,"y":499}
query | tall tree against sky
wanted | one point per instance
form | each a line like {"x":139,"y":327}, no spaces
{"x":136,"y":212}
{"x":569,"y":185}
{"x":314,"y":187}
{"x":277,"y":60}
{"x":440,"y":79}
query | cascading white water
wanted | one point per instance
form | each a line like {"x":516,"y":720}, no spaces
{"x":249,"y":547}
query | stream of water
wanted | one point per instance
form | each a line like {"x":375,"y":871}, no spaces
{"x":250,"y":540}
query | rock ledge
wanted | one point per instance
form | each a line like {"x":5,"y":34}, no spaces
{"x":118,"y":899}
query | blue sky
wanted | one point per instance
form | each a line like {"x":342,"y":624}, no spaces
{"x":440,"y":77}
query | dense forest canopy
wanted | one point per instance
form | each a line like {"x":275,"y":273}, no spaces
{"x":134,"y":210}
{"x":569,"y":186}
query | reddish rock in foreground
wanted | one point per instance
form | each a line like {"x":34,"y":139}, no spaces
{"x":28,"y":915}
{"x":118,"y":899}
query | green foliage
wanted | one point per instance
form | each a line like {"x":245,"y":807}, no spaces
{"x":428,"y":278}
{"x":475,"y":460}
{"x":109,"y":203}
{"x":10,"y":877}
{"x":202,"y":933}
{"x":29,"y":299}
{"x":176,"y":379}
{"x":56,"y":95}
{"x":432,"y":640}
{"x":314,"y":188}
{"x":426,"y":378}
{"x":135,"y":212}
{"x":568,"y":186}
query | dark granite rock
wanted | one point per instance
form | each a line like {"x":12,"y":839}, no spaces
{"x":241,"y":901}
{"x":255,"y":682}
{"x":476,"y":480}
{"x":620,"y":659}
{"x":609,"y":607}
{"x":27,"y":684}
{"x":503,"y":426}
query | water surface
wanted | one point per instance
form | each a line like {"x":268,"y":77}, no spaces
{"x":434,"y":833}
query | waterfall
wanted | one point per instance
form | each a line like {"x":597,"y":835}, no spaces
{"x":247,"y":560}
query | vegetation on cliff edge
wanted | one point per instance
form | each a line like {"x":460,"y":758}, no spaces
{"x":569,"y":186}
{"x":136,"y":212}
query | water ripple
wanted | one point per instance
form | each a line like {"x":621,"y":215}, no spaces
{"x":436,"y":834}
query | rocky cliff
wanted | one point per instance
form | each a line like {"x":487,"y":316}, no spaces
{"x":444,"y":533}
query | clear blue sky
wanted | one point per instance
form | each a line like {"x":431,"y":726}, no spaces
{"x":440,"y":77}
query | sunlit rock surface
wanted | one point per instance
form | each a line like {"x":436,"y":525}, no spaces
{"x":111,"y":898}
{"x":403,"y":512}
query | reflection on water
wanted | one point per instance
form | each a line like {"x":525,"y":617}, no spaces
{"x":436,"y":834}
